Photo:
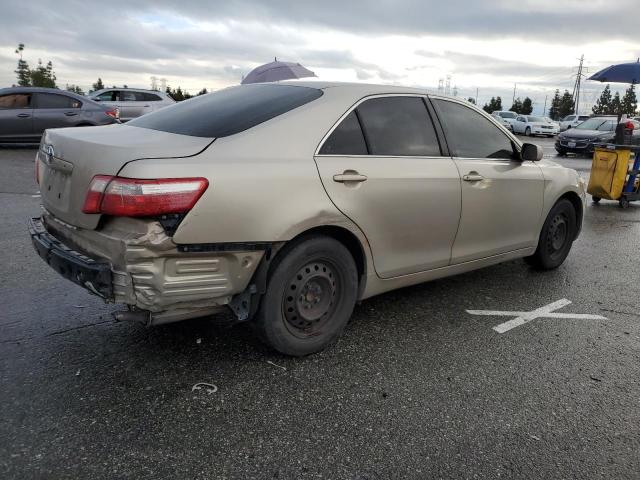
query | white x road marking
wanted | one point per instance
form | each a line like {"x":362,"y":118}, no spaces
{"x":543,"y":312}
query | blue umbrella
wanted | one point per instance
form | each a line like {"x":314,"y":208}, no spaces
{"x":622,"y":73}
{"x":275,"y":71}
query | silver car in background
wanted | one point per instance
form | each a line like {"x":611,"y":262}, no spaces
{"x":26,"y":112}
{"x":132,"y":102}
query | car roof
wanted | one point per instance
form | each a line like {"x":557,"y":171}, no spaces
{"x":365,"y":88}
{"x":4,"y":91}
{"x":144,"y":90}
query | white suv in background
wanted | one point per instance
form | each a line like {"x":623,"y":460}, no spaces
{"x":571,"y":121}
{"x":132,"y":102}
{"x":505,"y":116}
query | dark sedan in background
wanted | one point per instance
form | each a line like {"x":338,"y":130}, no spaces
{"x":26,"y":112}
{"x":582,"y":138}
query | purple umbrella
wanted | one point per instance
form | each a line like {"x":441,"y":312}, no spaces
{"x":275,"y":71}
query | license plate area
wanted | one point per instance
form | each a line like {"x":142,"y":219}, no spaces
{"x":571,"y":144}
{"x":56,"y":188}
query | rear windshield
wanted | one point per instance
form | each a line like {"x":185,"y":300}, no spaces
{"x":228,"y":111}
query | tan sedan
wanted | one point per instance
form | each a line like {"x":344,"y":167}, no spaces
{"x":290,"y":202}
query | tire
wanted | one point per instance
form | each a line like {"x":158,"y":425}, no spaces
{"x":624,"y":202}
{"x":311,"y":293}
{"x":561,"y":152}
{"x":556,"y":237}
{"x":527,"y":132}
{"x":595,"y":199}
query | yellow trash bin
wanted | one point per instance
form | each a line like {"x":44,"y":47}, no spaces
{"x":608,"y":172}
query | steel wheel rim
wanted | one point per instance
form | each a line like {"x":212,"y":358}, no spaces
{"x":310,"y":298}
{"x":558,"y":234}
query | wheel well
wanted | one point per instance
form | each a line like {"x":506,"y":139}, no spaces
{"x":577,"y":204}
{"x":344,"y":236}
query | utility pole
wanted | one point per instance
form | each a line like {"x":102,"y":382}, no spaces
{"x":544,"y":111}
{"x":514,"y":94}
{"x":576,"y":87}
{"x":476,"y":95}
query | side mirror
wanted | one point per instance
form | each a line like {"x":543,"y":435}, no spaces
{"x":531,"y":152}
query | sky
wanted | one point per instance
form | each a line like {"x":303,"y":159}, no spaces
{"x":484,"y":46}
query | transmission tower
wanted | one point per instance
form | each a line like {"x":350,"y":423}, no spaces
{"x":576,"y":87}
{"x":441,"y":85}
{"x":154,"y":83}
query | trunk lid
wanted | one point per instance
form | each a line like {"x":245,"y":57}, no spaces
{"x":69,"y":158}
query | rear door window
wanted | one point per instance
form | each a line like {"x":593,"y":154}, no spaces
{"x":109,"y":96}
{"x":147,"y":97}
{"x":398,"y":126}
{"x":53,"y":100}
{"x":346,"y":139}
{"x":470,"y":135}
{"x":128,"y":96}
{"x":229,"y":111}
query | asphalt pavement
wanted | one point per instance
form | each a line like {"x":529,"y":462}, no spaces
{"x":415,"y":388}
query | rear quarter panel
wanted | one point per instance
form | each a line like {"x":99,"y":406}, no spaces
{"x":264,"y":185}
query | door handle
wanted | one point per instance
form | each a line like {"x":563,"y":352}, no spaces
{"x":472,"y":177}
{"x":71,"y":114}
{"x":349,"y":176}
{"x":23,"y":115}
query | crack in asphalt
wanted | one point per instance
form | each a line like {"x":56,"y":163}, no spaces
{"x":58,"y":332}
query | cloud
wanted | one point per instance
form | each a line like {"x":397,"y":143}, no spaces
{"x":485,"y":44}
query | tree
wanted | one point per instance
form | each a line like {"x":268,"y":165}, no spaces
{"x":603,"y":104}
{"x":22,"y":72}
{"x":616,"y":105}
{"x":98,"y":85}
{"x":43,"y":76}
{"x":554,"y":109}
{"x":75,"y":89}
{"x":187,"y":95}
{"x":494,"y":104}
{"x":516,"y":106}
{"x":527,"y":106}
{"x":471,"y":100}
{"x":566,"y":105}
{"x":203,"y":92}
{"x":629,"y":101}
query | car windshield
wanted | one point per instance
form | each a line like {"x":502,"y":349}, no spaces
{"x":507,"y":114}
{"x":228,"y":111}
{"x":536,"y":119}
{"x":602,"y":124}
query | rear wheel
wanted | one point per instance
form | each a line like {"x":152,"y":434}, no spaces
{"x":556,"y":238}
{"x":624,"y":202}
{"x":310,"y":296}
{"x":595,"y":199}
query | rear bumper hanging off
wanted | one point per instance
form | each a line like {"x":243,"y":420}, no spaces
{"x":93,"y":275}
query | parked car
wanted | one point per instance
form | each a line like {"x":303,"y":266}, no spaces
{"x":553,"y":122}
{"x":132,"y":102}
{"x":572,"y":121}
{"x":581,"y":139}
{"x":289,"y":202}
{"x":507,"y":115}
{"x":532,"y":125}
{"x":26,"y":112}
{"x":504,"y":122}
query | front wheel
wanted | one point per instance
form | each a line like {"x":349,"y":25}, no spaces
{"x":556,"y":237}
{"x":527,"y":132}
{"x":310,"y":296}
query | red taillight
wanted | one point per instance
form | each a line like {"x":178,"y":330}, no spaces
{"x":115,"y":113}
{"x":135,"y":197}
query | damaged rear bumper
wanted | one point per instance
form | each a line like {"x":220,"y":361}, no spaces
{"x":95,"y":276}
{"x":134,"y":262}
